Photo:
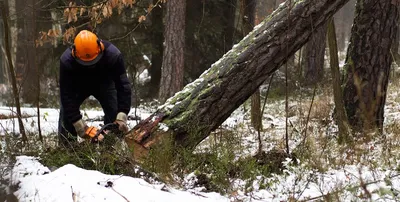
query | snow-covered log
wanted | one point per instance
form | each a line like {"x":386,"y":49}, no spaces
{"x":191,"y":114}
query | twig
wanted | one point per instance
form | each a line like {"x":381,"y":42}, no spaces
{"x":308,"y":115}
{"x":262,"y":112}
{"x":343,"y":188}
{"x":315,"y":87}
{"x":73,"y":195}
{"x":112,"y":188}
{"x":110,"y":184}
{"x":134,"y":28}
{"x":286,"y":85}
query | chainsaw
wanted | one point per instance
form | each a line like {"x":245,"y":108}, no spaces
{"x":94,"y":132}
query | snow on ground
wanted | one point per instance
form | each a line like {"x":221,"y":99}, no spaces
{"x":71,"y":183}
{"x":49,"y":119}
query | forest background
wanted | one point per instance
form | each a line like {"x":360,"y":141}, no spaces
{"x":169,"y":44}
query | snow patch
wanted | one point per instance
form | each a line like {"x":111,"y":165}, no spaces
{"x":71,"y":183}
{"x":144,"y":77}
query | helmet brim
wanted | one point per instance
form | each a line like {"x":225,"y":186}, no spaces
{"x":91,"y":62}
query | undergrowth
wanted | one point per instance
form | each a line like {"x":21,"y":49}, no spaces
{"x":105,"y":157}
{"x":215,"y":165}
{"x":221,"y":160}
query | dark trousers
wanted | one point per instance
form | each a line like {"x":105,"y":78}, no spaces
{"x":109,"y":104}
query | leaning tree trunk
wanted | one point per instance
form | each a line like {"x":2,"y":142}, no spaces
{"x":368,"y":63}
{"x":190,"y":115}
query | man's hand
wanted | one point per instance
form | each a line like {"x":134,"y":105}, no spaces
{"x":80,"y":128}
{"x":85,"y":131}
{"x":91,"y":133}
{"x":121,"y":122}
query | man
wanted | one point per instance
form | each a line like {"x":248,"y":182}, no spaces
{"x":92,"y":67}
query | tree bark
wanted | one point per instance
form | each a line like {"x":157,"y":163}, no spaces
{"x":13,"y":28}
{"x":249,"y":15}
{"x":173,"y":56}
{"x":24,"y":63}
{"x":33,"y":60}
{"x":203,"y":105}
{"x":368,"y":63}
{"x":395,"y":48}
{"x":313,"y":57}
{"x":12,"y":71}
{"x":341,"y":118}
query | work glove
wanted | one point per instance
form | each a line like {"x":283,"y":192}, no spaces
{"x":86,"y":132}
{"x":121,"y":122}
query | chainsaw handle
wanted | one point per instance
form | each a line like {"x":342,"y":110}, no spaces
{"x":108,"y":126}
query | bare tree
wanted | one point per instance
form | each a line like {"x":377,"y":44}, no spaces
{"x":24,"y":63}
{"x":33,"y":60}
{"x":248,"y":13}
{"x":12,"y":13}
{"x":368,"y":63}
{"x":230,"y":10}
{"x":173,"y":55}
{"x":11,"y":70}
{"x":313,"y":57}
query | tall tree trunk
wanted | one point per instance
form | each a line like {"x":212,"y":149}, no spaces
{"x":12,"y":72}
{"x":20,"y":54}
{"x":191,"y":114}
{"x":248,"y":17}
{"x":33,"y":59}
{"x":25,"y":63}
{"x":10,"y":4}
{"x":368,"y":63}
{"x":173,"y":56}
{"x":229,"y":29}
{"x":157,"y":55}
{"x":12,"y":9}
{"x":341,"y":118}
{"x":313,"y":57}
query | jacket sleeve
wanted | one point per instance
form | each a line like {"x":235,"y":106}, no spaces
{"x":67,"y":95}
{"x":122,"y":85}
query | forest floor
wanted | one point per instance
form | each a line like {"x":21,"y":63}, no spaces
{"x":227,"y":166}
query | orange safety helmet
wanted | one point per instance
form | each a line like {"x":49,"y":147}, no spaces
{"x":87,"y":48}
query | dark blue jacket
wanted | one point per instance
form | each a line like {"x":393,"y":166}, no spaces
{"x":77,"y":80}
